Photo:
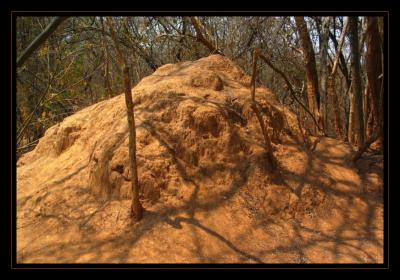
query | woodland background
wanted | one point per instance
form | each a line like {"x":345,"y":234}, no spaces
{"x":78,"y":65}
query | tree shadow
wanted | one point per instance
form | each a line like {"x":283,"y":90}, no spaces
{"x":176,"y":223}
{"x":313,"y":175}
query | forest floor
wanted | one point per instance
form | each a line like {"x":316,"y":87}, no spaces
{"x":207,"y":194}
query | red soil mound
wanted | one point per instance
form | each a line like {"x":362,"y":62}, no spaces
{"x":201,"y":164}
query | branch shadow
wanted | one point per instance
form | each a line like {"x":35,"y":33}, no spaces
{"x":313,"y":175}
{"x":176,"y":223}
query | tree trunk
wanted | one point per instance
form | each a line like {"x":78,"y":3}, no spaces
{"x":136,"y":206}
{"x":332,"y":83}
{"x":356,"y":124}
{"x":335,"y":105}
{"x":179,"y":52}
{"x":311,"y":68}
{"x":375,"y":84}
{"x":200,"y":30}
{"x":51,"y":59}
{"x":341,"y":59}
{"x":374,"y":69}
{"x":107,"y":83}
{"x":368,"y":112}
{"x":324,"y":36}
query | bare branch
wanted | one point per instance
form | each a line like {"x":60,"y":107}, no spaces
{"x":291,"y":90}
{"x":39,"y":40}
{"x":200,"y":37}
{"x":268,"y":146}
{"x":339,"y":48}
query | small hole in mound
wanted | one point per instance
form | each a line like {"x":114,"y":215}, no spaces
{"x":119,"y":168}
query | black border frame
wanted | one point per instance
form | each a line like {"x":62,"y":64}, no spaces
{"x":171,"y":10}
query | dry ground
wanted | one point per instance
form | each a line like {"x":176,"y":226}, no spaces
{"x":207,"y":192}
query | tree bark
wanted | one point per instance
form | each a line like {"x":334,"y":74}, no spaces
{"x":183,"y":33}
{"x":375,"y":85}
{"x":335,"y":105}
{"x":341,"y":59}
{"x":374,"y":68}
{"x":339,"y":48}
{"x":356,"y":126}
{"x":368,"y":112}
{"x":200,"y":37}
{"x":324,"y":36}
{"x":107,"y":83}
{"x":375,"y":136}
{"x":332,"y":83}
{"x":136,"y":206}
{"x":311,"y":68}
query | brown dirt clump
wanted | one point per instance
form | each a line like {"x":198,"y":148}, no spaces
{"x":204,"y":180}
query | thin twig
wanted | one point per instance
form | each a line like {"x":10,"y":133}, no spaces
{"x":291,"y":90}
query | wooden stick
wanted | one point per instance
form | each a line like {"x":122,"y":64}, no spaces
{"x":136,"y":206}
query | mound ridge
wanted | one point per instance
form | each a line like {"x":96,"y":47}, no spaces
{"x":193,"y":120}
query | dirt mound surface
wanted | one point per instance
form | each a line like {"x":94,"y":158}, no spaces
{"x":204,"y":181}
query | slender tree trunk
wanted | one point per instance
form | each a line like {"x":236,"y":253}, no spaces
{"x":335,"y":105}
{"x":368,"y":112}
{"x":200,"y":31}
{"x":179,"y":52}
{"x":356,"y":126}
{"x":51,"y":60}
{"x":375,"y":84}
{"x":107,"y":83}
{"x":374,"y":68}
{"x":324,"y":36}
{"x":332,"y":83}
{"x":341,"y":59}
{"x":346,"y":116}
{"x":311,"y":68}
{"x":268,"y":147}
{"x":136,"y":206}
